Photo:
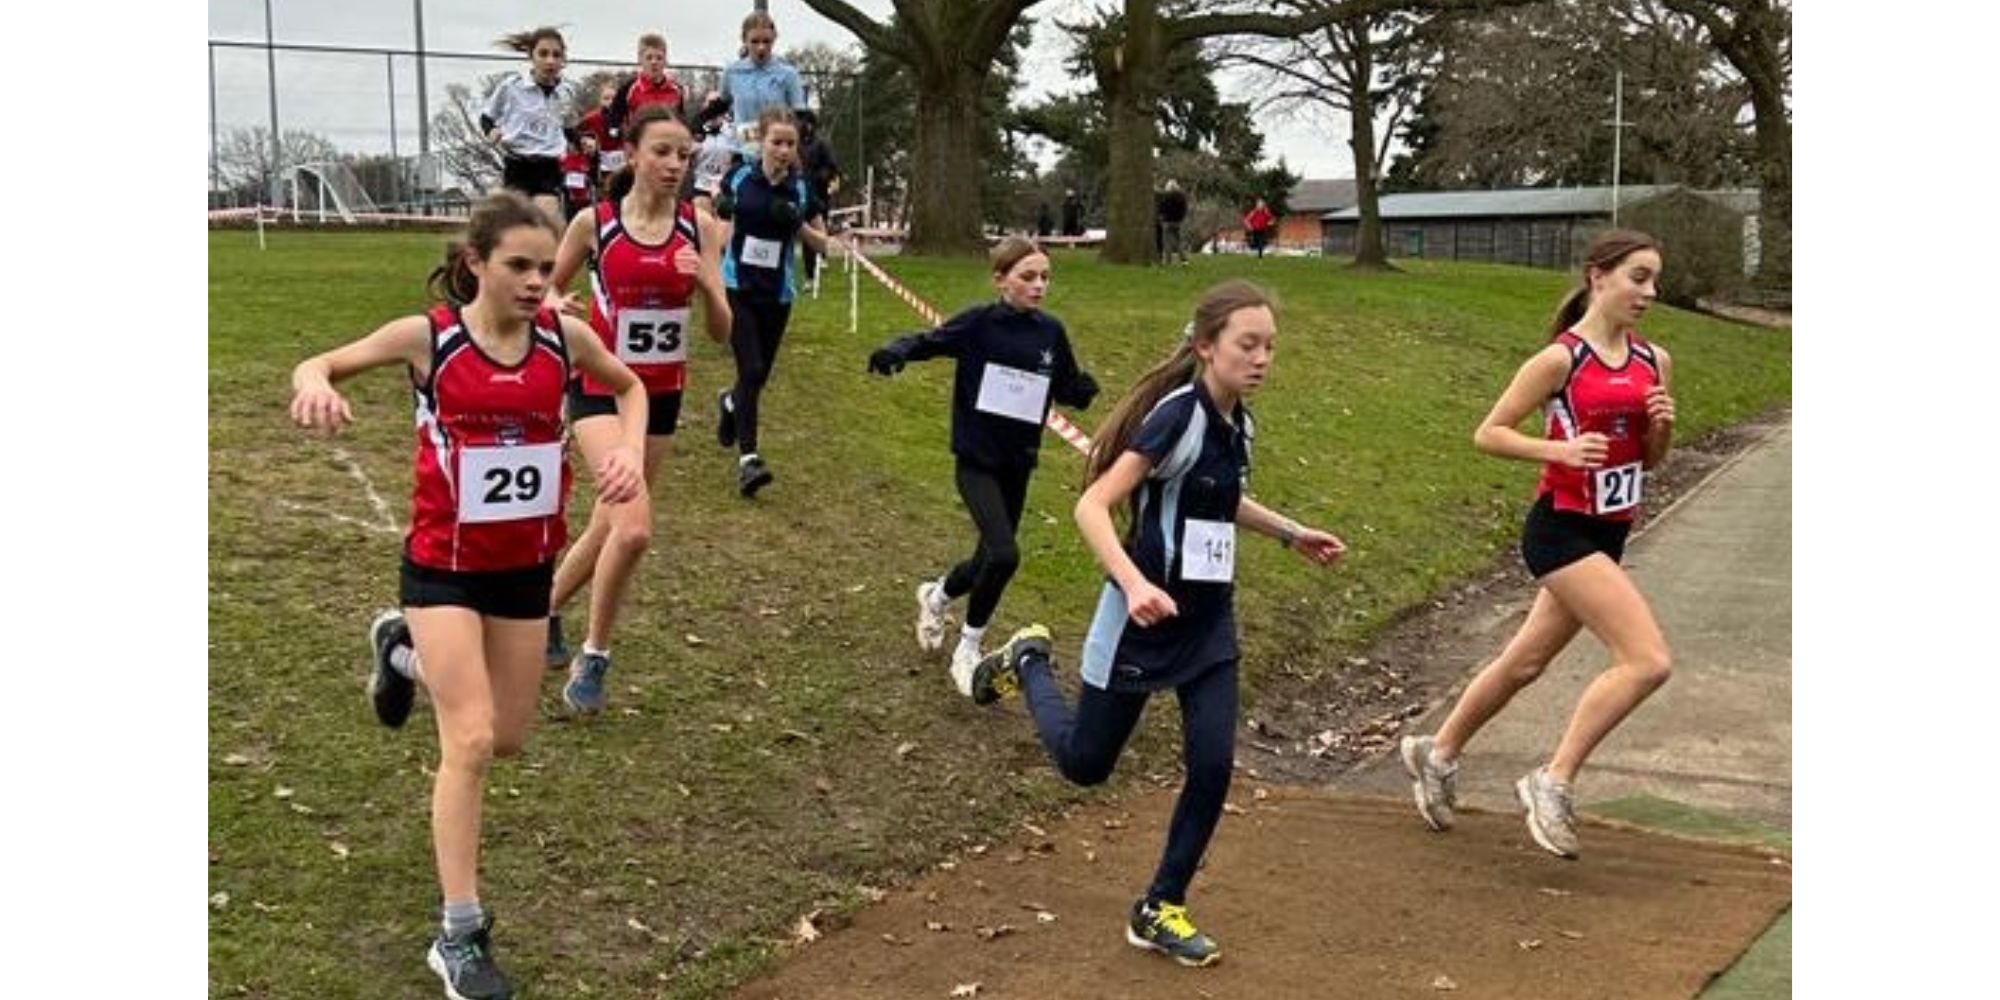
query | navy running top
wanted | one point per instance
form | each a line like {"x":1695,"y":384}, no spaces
{"x":764,"y":233}
{"x":1122,"y":655}
{"x":1012,"y":364}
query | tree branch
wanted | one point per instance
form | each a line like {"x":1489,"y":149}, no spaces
{"x":1189,"y":29}
{"x":872,"y":33}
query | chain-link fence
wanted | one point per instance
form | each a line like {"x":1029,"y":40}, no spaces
{"x":400,"y":125}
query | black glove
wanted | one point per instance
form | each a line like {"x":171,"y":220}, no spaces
{"x":1081,"y":391}
{"x":725,"y":204}
{"x":885,"y":361}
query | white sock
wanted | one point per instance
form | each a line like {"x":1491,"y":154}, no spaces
{"x":968,"y":637}
{"x":939,"y":599}
{"x":589,"y":649}
{"x":745,"y":460}
{"x":403,"y":660}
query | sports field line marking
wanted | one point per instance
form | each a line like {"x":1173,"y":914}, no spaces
{"x":294,"y":505}
{"x":1061,"y":425}
{"x":368,"y":487}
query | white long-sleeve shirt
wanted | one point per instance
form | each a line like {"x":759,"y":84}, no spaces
{"x":531,"y":117}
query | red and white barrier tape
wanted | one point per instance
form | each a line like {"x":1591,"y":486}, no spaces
{"x":281,"y":214}
{"x":1061,"y":425}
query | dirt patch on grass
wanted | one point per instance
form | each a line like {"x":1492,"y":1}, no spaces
{"x":1310,"y":895}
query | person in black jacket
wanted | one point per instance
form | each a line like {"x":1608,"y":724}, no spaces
{"x":1173,"y":210}
{"x":1013,"y":360}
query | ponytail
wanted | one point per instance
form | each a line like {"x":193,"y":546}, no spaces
{"x":453,"y":280}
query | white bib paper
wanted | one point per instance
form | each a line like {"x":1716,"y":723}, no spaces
{"x":501,"y":483}
{"x":1011,"y":392}
{"x":652,"y":336}
{"x":761,"y":252}
{"x":1208,"y":551}
{"x":575,"y":179}
{"x":610,"y":159}
{"x":1617,"y":488}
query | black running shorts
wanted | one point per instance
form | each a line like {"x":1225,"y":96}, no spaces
{"x":663,"y":409}
{"x":506,"y":593}
{"x":533,"y":175}
{"x":1555,"y":538}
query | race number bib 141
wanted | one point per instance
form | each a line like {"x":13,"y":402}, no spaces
{"x":1013,"y":393}
{"x":1208,"y":551}
{"x":509,"y":483}
{"x":652,"y":336}
{"x":761,"y":252}
{"x":1617,"y":488}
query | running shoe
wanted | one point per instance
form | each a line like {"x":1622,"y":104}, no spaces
{"x":998,"y":674}
{"x":930,"y":616}
{"x":1551,"y":811}
{"x":1165,"y":928}
{"x":558,"y":651}
{"x":1435,"y":787}
{"x":585,"y":691}
{"x":390,"y":691}
{"x":752,"y":476}
{"x":465,"y":963}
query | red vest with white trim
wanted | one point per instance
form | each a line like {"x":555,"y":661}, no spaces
{"x":492,"y":477}
{"x":1609,"y":401}
{"x":639,"y":300}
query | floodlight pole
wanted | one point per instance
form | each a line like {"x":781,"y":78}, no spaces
{"x":271,"y":66}
{"x":1618,"y":126}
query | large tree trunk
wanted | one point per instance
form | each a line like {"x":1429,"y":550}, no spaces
{"x":945,"y":168}
{"x":1369,"y":251}
{"x":1132,"y":91}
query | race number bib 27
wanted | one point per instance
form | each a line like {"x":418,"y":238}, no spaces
{"x":1617,"y":488}
{"x":1013,"y":393}
{"x":1208,"y":551}
{"x":652,"y":336}
{"x":761,"y":252}
{"x":509,"y":483}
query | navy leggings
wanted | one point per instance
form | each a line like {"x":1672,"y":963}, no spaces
{"x":995,"y":500}
{"x":757,"y":327}
{"x":1085,"y":746}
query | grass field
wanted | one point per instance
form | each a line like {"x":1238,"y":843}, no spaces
{"x":775,"y":744}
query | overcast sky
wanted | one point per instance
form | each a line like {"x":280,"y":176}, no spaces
{"x":346,"y":97}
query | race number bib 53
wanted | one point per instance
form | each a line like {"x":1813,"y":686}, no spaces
{"x":1617,"y":488}
{"x":509,"y":483}
{"x":1208,"y":551}
{"x":1013,"y":393}
{"x":760,"y":252}
{"x":652,"y":336}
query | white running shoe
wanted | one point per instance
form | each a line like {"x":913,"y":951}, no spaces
{"x":964,"y":660}
{"x":931,"y":622}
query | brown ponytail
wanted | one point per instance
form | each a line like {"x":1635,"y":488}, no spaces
{"x":1211,"y":314}
{"x":1606,"y":251}
{"x":453,"y":280}
{"x":636,"y":124}
{"x":524,"y":42}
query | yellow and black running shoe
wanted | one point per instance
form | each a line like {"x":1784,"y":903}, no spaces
{"x":1165,"y":928}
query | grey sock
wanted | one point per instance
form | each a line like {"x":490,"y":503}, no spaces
{"x":463,"y":918}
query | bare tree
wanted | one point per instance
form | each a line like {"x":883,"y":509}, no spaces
{"x":244,"y":163}
{"x":460,"y":145}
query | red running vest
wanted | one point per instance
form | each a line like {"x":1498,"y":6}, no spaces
{"x":639,"y":300}
{"x":1609,"y":401}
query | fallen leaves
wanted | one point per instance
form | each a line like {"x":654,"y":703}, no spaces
{"x":965,"y":990}
{"x":1444,"y":983}
{"x":806,"y":930}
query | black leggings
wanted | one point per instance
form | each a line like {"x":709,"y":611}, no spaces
{"x":756,"y":329}
{"x":995,"y":500}
{"x":1085,"y":747}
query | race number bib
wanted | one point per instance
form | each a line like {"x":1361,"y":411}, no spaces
{"x":1617,"y":488}
{"x":509,"y":483}
{"x":1208,"y":551}
{"x":652,"y":336}
{"x":575,"y":179}
{"x":1013,"y":393}
{"x":610,"y":160}
{"x":761,"y":253}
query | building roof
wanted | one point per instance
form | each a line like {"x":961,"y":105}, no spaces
{"x":1321,"y":195}
{"x":1531,"y":202}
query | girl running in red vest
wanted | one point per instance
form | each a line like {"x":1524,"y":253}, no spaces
{"x":650,"y":252}
{"x":1605,"y":390}
{"x":488,"y":367}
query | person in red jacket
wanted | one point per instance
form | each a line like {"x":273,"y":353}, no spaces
{"x":597,"y":124}
{"x":1258,"y":225}
{"x":579,"y":169}
{"x":651,"y":85}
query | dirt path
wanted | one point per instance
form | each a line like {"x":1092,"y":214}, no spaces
{"x":1311,"y":895}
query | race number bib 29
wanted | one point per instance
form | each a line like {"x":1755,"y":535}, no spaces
{"x":652,"y":336}
{"x":610,"y":160}
{"x":1617,"y":488}
{"x":760,"y":252}
{"x":1013,"y":393}
{"x":509,"y":483}
{"x":1208,"y":551}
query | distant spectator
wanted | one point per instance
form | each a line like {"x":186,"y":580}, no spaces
{"x":579,"y":187}
{"x":1172,"y":210}
{"x":596,"y":123}
{"x":821,"y":170}
{"x":1258,"y":225}
{"x":652,"y":84}
{"x":714,"y":156}
{"x":1072,"y":213}
{"x":1045,"y":223}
